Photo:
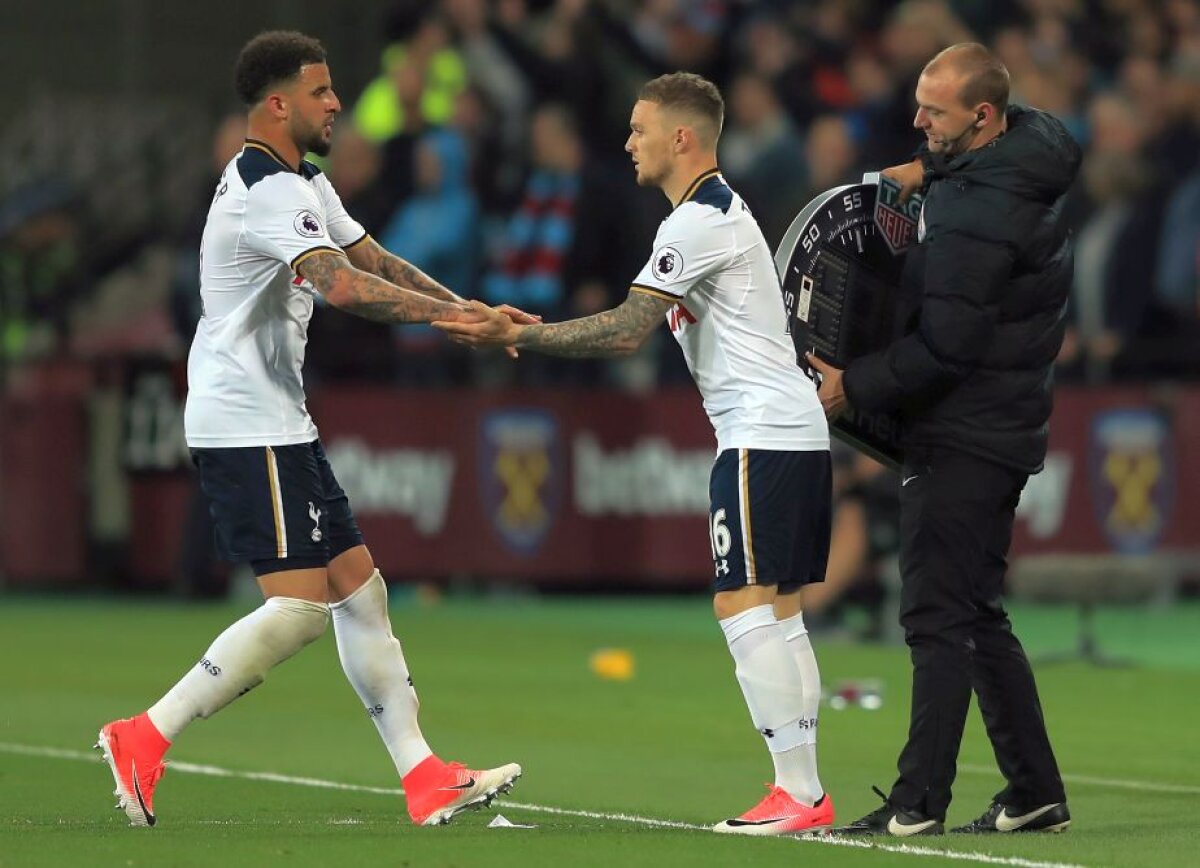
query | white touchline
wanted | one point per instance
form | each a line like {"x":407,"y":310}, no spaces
{"x":1113,"y":783}
{"x":904,"y":849}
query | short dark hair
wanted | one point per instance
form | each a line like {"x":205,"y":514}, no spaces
{"x":985,"y":77}
{"x":273,"y":57}
{"x":689,"y":92}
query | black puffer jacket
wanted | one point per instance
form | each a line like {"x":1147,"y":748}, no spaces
{"x":983,"y":301}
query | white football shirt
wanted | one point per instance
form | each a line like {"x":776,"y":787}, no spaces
{"x":244,"y":382}
{"x":711,"y":258}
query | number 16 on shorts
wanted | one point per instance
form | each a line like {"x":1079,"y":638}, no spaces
{"x":721,"y":541}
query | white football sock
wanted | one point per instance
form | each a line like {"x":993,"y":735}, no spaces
{"x":774,"y":694}
{"x":239,"y":660}
{"x":802,"y":775}
{"x":374,"y":664}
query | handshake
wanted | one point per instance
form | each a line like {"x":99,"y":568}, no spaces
{"x":475,"y":324}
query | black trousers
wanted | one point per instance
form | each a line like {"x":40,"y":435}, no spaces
{"x":956,"y":520}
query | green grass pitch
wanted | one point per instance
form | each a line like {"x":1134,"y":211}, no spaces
{"x":508,"y":680}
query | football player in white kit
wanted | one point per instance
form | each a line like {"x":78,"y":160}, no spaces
{"x":276,"y":234}
{"x":712,"y":276}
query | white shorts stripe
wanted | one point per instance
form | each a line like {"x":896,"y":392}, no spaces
{"x":281,"y":550}
{"x":744,"y":513}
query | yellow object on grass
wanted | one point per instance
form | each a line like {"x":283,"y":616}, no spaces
{"x":614,"y":664}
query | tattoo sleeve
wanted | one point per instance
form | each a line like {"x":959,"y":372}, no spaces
{"x":376,"y":260}
{"x":370,"y":297}
{"x":615,"y":332}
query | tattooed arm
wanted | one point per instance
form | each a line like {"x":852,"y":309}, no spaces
{"x":616,"y":332}
{"x":368,"y":256}
{"x":371,"y":297}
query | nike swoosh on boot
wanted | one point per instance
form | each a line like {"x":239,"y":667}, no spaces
{"x":903,"y":830}
{"x":1007,"y":823}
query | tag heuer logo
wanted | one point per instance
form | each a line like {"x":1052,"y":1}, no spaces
{"x":897,"y":223}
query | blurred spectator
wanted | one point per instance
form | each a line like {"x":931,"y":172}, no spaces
{"x":356,"y":169}
{"x":477,"y":120}
{"x":437,"y":230}
{"x":420,"y":57}
{"x":1178,"y":284}
{"x":881,"y":119}
{"x":566,"y":250}
{"x":769,"y":46}
{"x":533,"y":258}
{"x":558,"y":63}
{"x":762,"y":155}
{"x":342,"y":346}
{"x":499,"y":82}
{"x":1172,"y":143}
{"x":915,"y":31}
{"x":1179,"y":252}
{"x":831,"y":155}
{"x":1116,"y":246}
{"x":42,"y":270}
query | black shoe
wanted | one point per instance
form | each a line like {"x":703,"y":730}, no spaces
{"x":998,"y":818}
{"x":893,"y":821}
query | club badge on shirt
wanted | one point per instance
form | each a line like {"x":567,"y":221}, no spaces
{"x":307,"y":224}
{"x":667,"y":263}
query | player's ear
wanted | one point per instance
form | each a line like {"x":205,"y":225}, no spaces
{"x":277,"y":104}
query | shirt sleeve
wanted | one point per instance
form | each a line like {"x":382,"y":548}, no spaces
{"x":343,"y":229}
{"x":693,"y":243}
{"x":285,"y":220}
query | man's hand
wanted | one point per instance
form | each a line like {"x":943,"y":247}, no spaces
{"x":830,"y":392}
{"x":520,"y":318}
{"x":910,"y":177}
{"x":483,"y":326}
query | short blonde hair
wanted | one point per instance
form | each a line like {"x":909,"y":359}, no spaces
{"x":690,"y":93}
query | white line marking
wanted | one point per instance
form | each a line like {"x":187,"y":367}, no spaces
{"x":216,"y":771}
{"x":961,"y":856}
{"x":1114,"y":783}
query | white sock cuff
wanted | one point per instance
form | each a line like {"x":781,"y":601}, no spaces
{"x":793,"y":627}
{"x":792,"y":734}
{"x":368,"y":593}
{"x":294,"y":605}
{"x":739,"y":625}
{"x":305,"y":619}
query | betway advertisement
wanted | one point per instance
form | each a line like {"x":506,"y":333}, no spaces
{"x":543,"y":486}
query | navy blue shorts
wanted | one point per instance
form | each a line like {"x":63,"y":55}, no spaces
{"x":769,"y":518}
{"x":278,"y":507}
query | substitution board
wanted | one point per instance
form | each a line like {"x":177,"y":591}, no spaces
{"x":839,"y":266}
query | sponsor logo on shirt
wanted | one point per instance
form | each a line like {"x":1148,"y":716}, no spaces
{"x":307,"y":224}
{"x":678,"y":316}
{"x":668,"y":264}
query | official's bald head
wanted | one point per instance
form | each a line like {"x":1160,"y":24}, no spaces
{"x":981,"y":77}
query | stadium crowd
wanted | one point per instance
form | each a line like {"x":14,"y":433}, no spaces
{"x":488,"y":151}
